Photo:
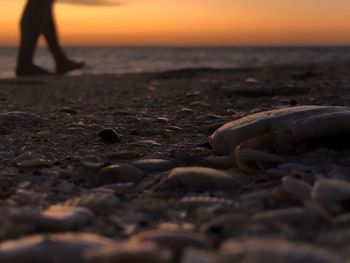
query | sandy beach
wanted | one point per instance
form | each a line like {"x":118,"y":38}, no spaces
{"x":63,"y":169}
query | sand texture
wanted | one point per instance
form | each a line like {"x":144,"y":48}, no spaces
{"x":87,"y":169}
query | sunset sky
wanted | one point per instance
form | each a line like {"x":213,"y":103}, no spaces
{"x":192,"y":22}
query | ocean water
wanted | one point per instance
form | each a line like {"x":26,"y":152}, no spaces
{"x":111,"y":60}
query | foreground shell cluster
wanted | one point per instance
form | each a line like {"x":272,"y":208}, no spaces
{"x":97,"y":174}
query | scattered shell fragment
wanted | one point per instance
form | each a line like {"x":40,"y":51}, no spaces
{"x":289,"y":215}
{"x":275,"y":250}
{"x":150,"y":165}
{"x":31,"y":160}
{"x":129,"y":252}
{"x":331,"y":191}
{"x":298,"y":188}
{"x":121,"y":173}
{"x":174,"y":240}
{"x":96,"y":201}
{"x":58,"y":248}
{"x":109,"y":135}
{"x":226,"y":161}
{"x":63,"y":218}
{"x":203,"y":178}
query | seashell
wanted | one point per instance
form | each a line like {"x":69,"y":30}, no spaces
{"x":277,"y":131}
{"x":121,"y":173}
{"x":129,"y":252}
{"x":58,"y":248}
{"x":150,"y":165}
{"x":194,"y":255}
{"x":331,"y":191}
{"x":63,"y":218}
{"x":96,"y":201}
{"x":275,"y":250}
{"x":229,"y":136}
{"x":174,"y":240}
{"x":290,"y":215}
{"x":202,"y":178}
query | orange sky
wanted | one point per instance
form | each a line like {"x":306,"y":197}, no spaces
{"x":194,"y":22}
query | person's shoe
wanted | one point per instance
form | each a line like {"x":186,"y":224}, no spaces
{"x":68,"y":66}
{"x":31,"y":70}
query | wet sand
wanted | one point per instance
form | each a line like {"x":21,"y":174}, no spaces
{"x":52,"y":153}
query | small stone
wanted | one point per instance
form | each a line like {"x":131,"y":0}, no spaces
{"x":331,"y":191}
{"x":203,"y":178}
{"x":109,"y":135}
{"x":121,"y":173}
{"x":64,"y":218}
{"x":125,"y":155}
{"x":174,"y":240}
{"x":58,"y":248}
{"x":275,"y":250}
{"x":129,"y":252}
{"x":298,"y":188}
{"x":150,"y":165}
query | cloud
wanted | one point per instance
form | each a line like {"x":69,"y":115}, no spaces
{"x":92,"y":2}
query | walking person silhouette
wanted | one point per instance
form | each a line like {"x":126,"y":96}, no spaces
{"x":38,"y":19}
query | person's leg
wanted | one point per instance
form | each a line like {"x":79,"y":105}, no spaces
{"x":31,"y":25}
{"x":63,"y":64}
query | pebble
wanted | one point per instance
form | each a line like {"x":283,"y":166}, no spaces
{"x":298,"y":188}
{"x":129,"y":252}
{"x":121,"y":173}
{"x":58,"y":248}
{"x":202,"y":178}
{"x":109,"y":135}
{"x":151,"y":165}
{"x":96,"y":201}
{"x":331,"y":191}
{"x":275,"y":250}
{"x":174,"y":240}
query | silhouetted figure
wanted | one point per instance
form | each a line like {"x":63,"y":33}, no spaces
{"x":38,"y":19}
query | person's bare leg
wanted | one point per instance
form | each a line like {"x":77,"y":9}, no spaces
{"x":63,"y":64}
{"x":32,"y":23}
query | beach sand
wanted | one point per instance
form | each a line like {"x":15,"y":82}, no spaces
{"x":51,"y":153}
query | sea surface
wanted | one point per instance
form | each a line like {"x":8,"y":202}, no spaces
{"x":111,"y":60}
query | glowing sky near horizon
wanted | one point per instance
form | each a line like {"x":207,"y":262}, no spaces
{"x":192,"y":22}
